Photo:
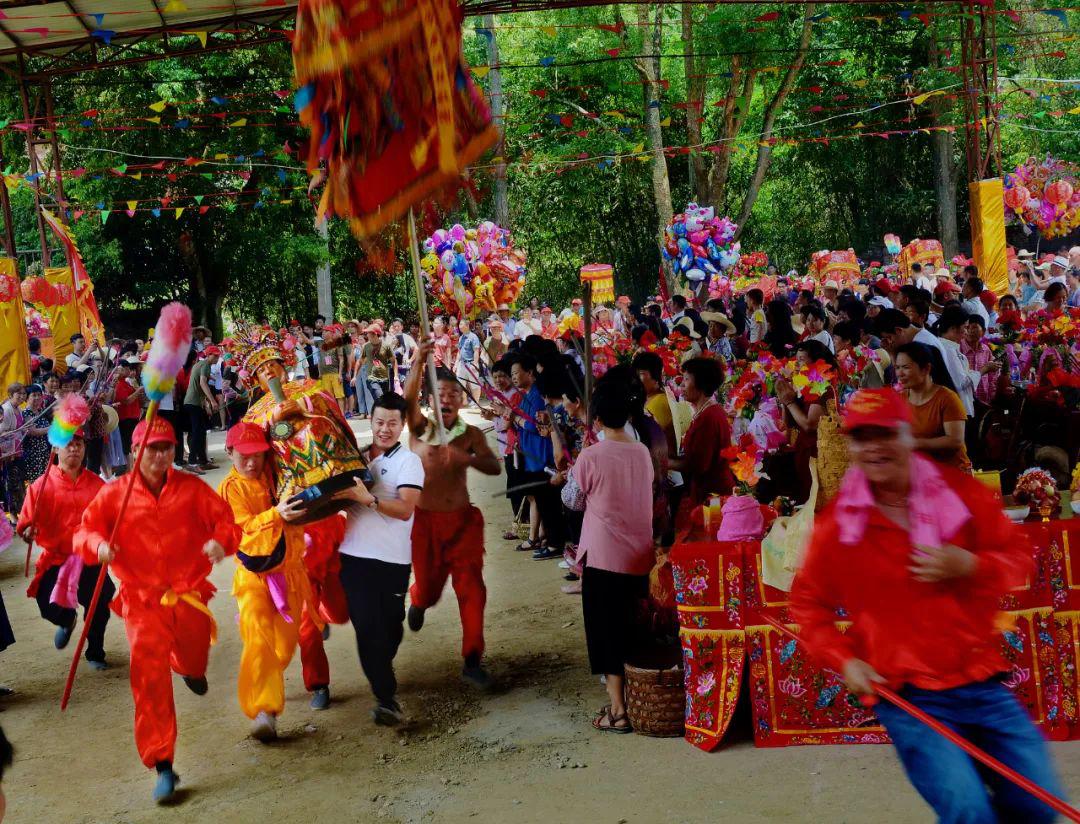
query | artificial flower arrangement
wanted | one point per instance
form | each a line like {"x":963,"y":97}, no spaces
{"x":1037,"y":488}
{"x":745,"y":458}
{"x":812,"y":381}
{"x":1044,"y":195}
{"x":36,"y":325}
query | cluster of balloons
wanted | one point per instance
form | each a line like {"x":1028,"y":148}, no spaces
{"x":472,"y":271}
{"x":1044,"y":195}
{"x":39,"y":291}
{"x":699,"y":244}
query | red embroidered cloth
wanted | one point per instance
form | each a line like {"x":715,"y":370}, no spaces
{"x":721,"y":598}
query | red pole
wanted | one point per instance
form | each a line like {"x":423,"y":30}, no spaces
{"x":151,"y":411}
{"x":1008,"y":772}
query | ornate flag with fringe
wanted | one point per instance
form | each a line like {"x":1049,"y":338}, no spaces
{"x":393,"y":112}
{"x":89,"y":320}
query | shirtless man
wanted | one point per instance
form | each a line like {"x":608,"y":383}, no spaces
{"x":448,"y":531}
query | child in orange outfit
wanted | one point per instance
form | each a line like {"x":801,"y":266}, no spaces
{"x":50,"y":515}
{"x":271,"y":583}
{"x":174,"y":530}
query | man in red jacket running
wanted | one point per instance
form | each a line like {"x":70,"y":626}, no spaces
{"x":918,"y":555}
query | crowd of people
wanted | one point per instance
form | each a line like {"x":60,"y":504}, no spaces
{"x":608,"y":450}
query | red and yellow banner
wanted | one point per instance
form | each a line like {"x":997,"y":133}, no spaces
{"x":14,"y":350}
{"x":86,"y":305}
{"x":63,"y":317}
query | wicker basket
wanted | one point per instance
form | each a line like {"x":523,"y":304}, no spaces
{"x":656,"y":701}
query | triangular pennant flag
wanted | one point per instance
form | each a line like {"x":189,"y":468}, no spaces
{"x":174,"y":7}
{"x":550,"y":31}
{"x":104,"y":35}
{"x":199,"y":199}
{"x":203,"y":210}
{"x":121,"y":169}
{"x":132,"y":204}
{"x":666,"y":121}
{"x":98,"y":18}
{"x":165,"y":201}
{"x":137,"y":176}
{"x":159,"y":106}
{"x":156,"y":212}
{"x":199,"y":34}
{"x":481,"y":71}
{"x":77,"y":214}
{"x":238,"y":123}
{"x":154,"y":119}
{"x":178,"y":212}
{"x":221,"y":156}
{"x":105,"y":216}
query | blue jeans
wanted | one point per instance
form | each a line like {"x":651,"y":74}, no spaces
{"x":961,"y":790}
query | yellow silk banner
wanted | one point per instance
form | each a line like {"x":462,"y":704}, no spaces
{"x":63,"y":318}
{"x":14,"y":350}
{"x":988,"y":233}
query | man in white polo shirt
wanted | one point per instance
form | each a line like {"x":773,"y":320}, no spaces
{"x":377,"y":552}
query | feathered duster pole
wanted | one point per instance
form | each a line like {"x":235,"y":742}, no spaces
{"x":68,"y":417}
{"x":172,"y":342}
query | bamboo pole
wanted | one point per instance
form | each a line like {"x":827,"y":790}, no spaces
{"x":425,"y":326}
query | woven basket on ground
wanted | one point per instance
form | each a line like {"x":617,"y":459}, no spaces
{"x":656,"y":701}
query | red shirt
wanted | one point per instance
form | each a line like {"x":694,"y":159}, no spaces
{"x":125,"y":409}
{"x":932,"y":636}
{"x":709,"y":473}
{"x":59,"y":507}
{"x":159,"y":545}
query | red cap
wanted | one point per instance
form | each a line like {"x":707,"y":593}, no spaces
{"x":883,"y":407}
{"x":160,"y":431}
{"x":884,"y":284}
{"x":576,"y":302}
{"x":247,"y":439}
{"x":624,"y":300}
{"x":211,"y":350}
{"x":944,"y":286}
{"x":989,"y":299}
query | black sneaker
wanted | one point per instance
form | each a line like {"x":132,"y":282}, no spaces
{"x":387,"y":714}
{"x":477,"y":676}
{"x":546,"y":553}
{"x":196,"y":685}
{"x":63,"y":635}
{"x":416,"y":618}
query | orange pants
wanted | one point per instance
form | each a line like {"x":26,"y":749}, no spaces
{"x":163,"y":640}
{"x":451,"y":544}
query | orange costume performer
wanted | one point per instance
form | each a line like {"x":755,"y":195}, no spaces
{"x":162,"y":569}
{"x":310,"y":442}
{"x":53,"y":507}
{"x":270,"y":584}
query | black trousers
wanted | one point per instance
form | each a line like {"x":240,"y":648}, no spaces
{"x":375,"y":591}
{"x":513,"y":479}
{"x":173,"y":417}
{"x":549,"y":505}
{"x":64,"y":617}
{"x":196,"y":418}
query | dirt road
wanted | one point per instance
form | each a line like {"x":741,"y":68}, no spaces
{"x":524,"y":753}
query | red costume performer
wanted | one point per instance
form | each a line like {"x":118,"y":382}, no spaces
{"x":321,"y":559}
{"x":173,"y":531}
{"x":51,"y":513}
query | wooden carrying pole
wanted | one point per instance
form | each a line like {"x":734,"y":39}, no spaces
{"x":587,"y":305}
{"x":425,"y":326}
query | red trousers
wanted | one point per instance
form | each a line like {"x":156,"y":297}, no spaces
{"x":451,"y":544}
{"x":333,"y":609}
{"x":163,"y":640}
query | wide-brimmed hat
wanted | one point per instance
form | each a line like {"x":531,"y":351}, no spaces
{"x":722,"y":319}
{"x":686,"y":326}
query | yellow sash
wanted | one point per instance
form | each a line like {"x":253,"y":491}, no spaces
{"x":171,"y":598}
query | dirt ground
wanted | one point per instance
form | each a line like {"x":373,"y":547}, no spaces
{"x":523,"y":753}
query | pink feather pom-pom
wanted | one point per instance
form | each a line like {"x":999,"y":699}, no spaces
{"x":73,"y":410}
{"x":172,"y":342}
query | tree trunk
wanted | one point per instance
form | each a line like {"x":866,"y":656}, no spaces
{"x":944,"y":163}
{"x":764,"y":155}
{"x":648,"y":69}
{"x":736,"y":107}
{"x":695,"y":112}
{"x":941,"y":144}
{"x":502,"y":202}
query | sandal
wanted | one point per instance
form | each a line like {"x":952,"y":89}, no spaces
{"x":510,"y":535}
{"x":612,"y":720}
{"x":527,"y":546}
